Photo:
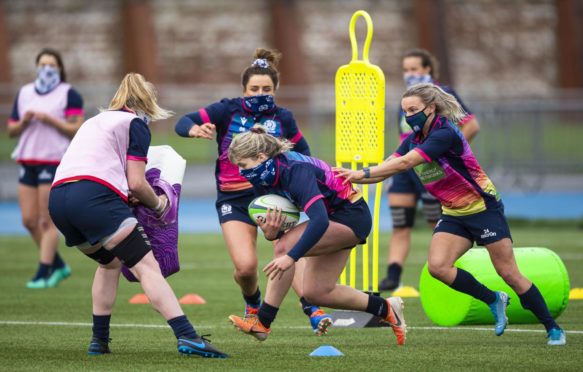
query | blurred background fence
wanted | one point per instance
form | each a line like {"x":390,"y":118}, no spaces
{"x":525,"y":145}
{"x":517,"y":65}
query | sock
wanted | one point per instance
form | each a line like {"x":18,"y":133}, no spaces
{"x":254,"y":300}
{"x":267,"y":314}
{"x":42,"y":272}
{"x":394,"y":272}
{"x":377,"y":306}
{"x":533,"y":300}
{"x":101,"y":327}
{"x":466,"y":283}
{"x":58,"y":262}
{"x":308,"y":307}
{"x":182,"y":327}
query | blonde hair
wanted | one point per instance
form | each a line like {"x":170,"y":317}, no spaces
{"x":250,"y":144}
{"x":136,"y":93}
{"x":445,"y":104}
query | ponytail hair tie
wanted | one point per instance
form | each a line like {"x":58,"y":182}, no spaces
{"x":260,"y":62}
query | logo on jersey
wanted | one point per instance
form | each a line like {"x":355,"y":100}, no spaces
{"x":487,"y":234}
{"x":429,"y":172}
{"x":226,"y":209}
{"x":44,"y":175}
{"x":270,"y":125}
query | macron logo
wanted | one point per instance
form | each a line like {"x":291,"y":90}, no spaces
{"x":487,"y":234}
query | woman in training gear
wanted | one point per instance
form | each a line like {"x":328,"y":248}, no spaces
{"x":472,"y":209}
{"x":88,"y":203}
{"x":419,"y":66}
{"x":46,"y":115}
{"x":339,"y":219}
{"x":225,"y":120}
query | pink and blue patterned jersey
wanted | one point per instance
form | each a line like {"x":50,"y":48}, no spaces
{"x":451,"y":172}
{"x":231,"y":117}
{"x":303,"y":180}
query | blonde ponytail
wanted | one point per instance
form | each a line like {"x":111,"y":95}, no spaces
{"x":445,"y":104}
{"x":257,"y":141}
{"x":136,"y":93}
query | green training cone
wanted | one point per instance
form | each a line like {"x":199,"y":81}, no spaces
{"x":447,"y":307}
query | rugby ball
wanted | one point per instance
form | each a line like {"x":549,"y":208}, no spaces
{"x":258,"y":210}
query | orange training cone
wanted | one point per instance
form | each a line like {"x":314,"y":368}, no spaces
{"x":140,"y":298}
{"x":192,"y":299}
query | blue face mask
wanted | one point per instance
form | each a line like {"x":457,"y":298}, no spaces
{"x":47,"y":79}
{"x":261,"y":175}
{"x":413,"y":79}
{"x":259,"y":104}
{"x":417,"y":121}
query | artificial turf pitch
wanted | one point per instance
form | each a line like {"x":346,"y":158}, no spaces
{"x":50,"y":329}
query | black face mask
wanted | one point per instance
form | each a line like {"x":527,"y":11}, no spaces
{"x":417,"y":120}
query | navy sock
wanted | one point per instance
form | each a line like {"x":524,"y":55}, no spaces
{"x":533,"y":300}
{"x":267,"y":314}
{"x":377,"y":306}
{"x":308,"y":307}
{"x":466,"y":283}
{"x":101,"y":327}
{"x":58,"y":262}
{"x":394,"y":272}
{"x":42,"y":272}
{"x":254,"y":300}
{"x":182,"y":327}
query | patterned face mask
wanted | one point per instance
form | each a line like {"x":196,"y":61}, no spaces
{"x":47,"y":79}
{"x":413,"y":79}
{"x":262,"y":174}
{"x":259,"y":104}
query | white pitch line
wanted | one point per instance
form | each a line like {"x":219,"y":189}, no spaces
{"x":163,"y":326}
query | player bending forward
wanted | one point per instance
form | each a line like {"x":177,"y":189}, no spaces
{"x":339,"y":220}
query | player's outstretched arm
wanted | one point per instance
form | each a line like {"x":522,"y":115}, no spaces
{"x":382,"y":171}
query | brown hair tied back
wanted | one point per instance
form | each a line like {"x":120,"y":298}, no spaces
{"x":264,"y":62}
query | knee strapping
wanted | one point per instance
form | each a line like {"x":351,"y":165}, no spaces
{"x":102,"y":256}
{"x":133,"y":248}
{"x":403,"y":216}
{"x":432,"y":211}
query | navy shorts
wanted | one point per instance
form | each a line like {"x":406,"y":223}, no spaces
{"x":483,"y":228}
{"x":356,"y":216}
{"x":34,"y":175}
{"x":408,"y":183}
{"x":234,"y":206}
{"x":86,"y":211}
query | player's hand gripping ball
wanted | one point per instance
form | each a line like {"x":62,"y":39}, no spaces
{"x":259,"y":206}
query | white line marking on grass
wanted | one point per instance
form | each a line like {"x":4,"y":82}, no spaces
{"x":163,"y":326}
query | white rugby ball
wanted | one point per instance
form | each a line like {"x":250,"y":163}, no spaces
{"x":258,"y":210}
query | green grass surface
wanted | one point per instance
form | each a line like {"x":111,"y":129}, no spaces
{"x":207,"y":271}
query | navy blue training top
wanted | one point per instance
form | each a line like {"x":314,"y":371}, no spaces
{"x":231,"y":117}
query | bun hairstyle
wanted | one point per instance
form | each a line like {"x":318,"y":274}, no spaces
{"x":257,"y":141}
{"x":136,"y":93}
{"x":445,"y":104}
{"x":427,"y":60}
{"x":264,"y":62}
